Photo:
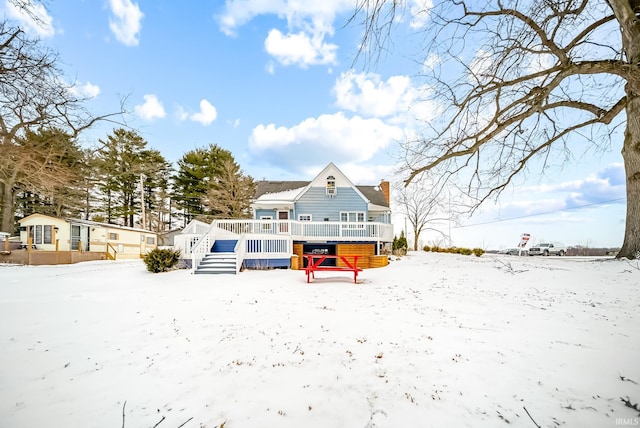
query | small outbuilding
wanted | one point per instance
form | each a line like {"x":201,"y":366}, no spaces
{"x":45,"y":233}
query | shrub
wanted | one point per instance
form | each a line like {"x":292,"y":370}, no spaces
{"x":161,"y":260}
{"x":400,"y":245}
{"x":455,"y":250}
{"x":477,"y":252}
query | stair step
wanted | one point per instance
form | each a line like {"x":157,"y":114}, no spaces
{"x":217,"y":263}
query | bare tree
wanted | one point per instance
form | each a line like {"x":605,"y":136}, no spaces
{"x":546,"y":79}
{"x":230,"y":196}
{"x":33,"y":97}
{"x":425,"y":207}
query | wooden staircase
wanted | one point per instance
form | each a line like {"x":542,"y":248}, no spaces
{"x":218,"y":263}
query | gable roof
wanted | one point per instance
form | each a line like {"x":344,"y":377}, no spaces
{"x":263,"y":187}
{"x":291,"y":190}
{"x":372,"y":193}
{"x":88,"y":223}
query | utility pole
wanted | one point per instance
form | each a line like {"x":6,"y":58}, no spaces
{"x":144,"y":217}
{"x":449,"y":218}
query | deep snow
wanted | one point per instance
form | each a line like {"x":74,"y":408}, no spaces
{"x":432,"y":340}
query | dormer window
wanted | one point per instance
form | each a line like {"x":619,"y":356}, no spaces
{"x":331,"y":185}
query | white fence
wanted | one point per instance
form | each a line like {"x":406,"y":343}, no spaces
{"x":269,"y":239}
{"x":304,"y":230}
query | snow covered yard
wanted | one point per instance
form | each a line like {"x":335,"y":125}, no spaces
{"x":432,"y":340}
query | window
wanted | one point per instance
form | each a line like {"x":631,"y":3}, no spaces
{"x":266,"y":225}
{"x":47,"y":234}
{"x":304,"y":217}
{"x":113,"y":236}
{"x":150,"y":240}
{"x":38,"y":237}
{"x":356,"y":217}
{"x":331,"y":185}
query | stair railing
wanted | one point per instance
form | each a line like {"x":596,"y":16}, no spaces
{"x":111,"y":255}
{"x":240,"y":250}
{"x":202,"y":247}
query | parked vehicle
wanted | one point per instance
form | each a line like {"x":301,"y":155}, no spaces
{"x":513,"y":251}
{"x":547,"y":249}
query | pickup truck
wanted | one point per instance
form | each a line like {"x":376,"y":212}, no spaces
{"x":547,"y":250}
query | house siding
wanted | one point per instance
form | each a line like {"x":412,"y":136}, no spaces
{"x":382,"y":218}
{"x":316,"y":202}
{"x":265,"y":213}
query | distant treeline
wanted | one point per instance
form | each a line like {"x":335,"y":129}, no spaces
{"x":588,"y":251}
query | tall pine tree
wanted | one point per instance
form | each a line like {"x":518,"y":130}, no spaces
{"x":197,"y":171}
{"x":123,"y":162}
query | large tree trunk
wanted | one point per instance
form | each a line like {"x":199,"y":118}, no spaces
{"x":630,"y":25}
{"x":7,"y":208}
{"x":631,"y":155}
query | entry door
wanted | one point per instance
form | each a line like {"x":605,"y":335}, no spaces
{"x":75,"y":236}
{"x":283,"y":215}
{"x":79,"y":234}
{"x":84,"y":237}
{"x":143,"y":242}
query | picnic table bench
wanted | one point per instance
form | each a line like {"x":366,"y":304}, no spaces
{"x":314,"y":264}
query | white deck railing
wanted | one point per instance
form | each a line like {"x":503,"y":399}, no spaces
{"x":185,"y":242}
{"x":240,"y":251}
{"x":202,"y":246}
{"x":274,"y":238}
{"x":257,"y":246}
{"x":309,"y":230}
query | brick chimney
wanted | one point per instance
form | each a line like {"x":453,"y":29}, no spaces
{"x":384,"y":186}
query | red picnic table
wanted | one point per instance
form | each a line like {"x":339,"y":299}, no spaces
{"x":314,"y":264}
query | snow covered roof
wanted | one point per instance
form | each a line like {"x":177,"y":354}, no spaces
{"x":285,"y":195}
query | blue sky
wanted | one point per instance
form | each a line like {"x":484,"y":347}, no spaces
{"x":277,"y":83}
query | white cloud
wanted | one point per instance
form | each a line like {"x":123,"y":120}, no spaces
{"x":151,"y":109}
{"x":564,"y":201}
{"x":308,"y":24}
{"x":431,"y":61}
{"x":206,"y":115}
{"x":127,"y":22}
{"x":87,"y":90}
{"x":38,"y":21}
{"x":419,"y":10}
{"x":367,"y":94}
{"x":317,"y":141}
{"x":297,"y":13}
{"x":270,"y":67}
{"x":367,"y":174}
{"x":397,"y":97}
{"x":601,"y":187}
{"x":300,"y":49}
{"x":181,"y":113}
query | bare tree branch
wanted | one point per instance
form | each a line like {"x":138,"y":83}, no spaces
{"x":34,"y":99}
{"x":525,"y":83}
